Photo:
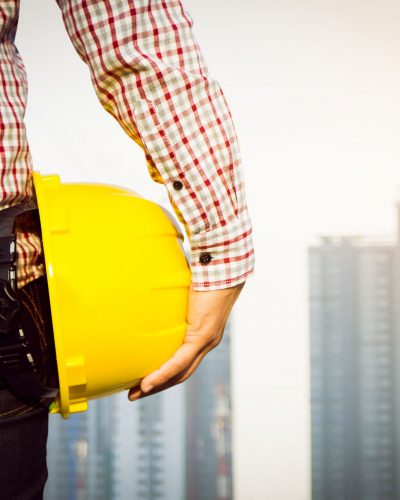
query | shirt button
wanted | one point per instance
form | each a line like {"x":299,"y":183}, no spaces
{"x":177,"y":185}
{"x":205,"y":258}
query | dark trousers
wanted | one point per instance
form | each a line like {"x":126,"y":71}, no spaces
{"x":23,"y":426}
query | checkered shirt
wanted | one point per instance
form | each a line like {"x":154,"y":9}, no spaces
{"x":150,"y":75}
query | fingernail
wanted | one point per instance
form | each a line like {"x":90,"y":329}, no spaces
{"x":147,"y":388}
{"x":134,"y":394}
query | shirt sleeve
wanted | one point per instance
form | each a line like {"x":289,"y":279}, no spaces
{"x":149,"y":73}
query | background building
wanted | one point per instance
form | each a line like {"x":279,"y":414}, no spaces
{"x":170,"y":446}
{"x":119,"y":450}
{"x":148,"y":447}
{"x":80,"y":454}
{"x":208,"y":427}
{"x":355,"y":368}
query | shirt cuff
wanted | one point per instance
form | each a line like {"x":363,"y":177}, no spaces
{"x":222,"y":257}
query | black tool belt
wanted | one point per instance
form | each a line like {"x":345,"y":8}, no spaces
{"x":17,"y":364}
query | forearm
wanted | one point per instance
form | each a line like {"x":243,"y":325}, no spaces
{"x":149,"y":73}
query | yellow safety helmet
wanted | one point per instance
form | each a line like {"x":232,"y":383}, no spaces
{"x":118,"y":283}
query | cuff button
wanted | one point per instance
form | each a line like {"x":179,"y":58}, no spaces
{"x":177,"y":185}
{"x":205,"y":258}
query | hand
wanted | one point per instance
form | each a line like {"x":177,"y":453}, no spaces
{"x":207,"y":315}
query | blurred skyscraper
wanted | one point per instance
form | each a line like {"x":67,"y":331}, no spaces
{"x":170,"y":446}
{"x":119,"y":450}
{"x":208,"y":427}
{"x":66,"y":468}
{"x":148,"y":447}
{"x":354,"y":299}
{"x":79,"y":454}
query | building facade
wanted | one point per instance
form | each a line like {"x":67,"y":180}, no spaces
{"x":174,"y":445}
{"x":354,"y":299}
{"x":119,"y":450}
{"x":209,"y":426}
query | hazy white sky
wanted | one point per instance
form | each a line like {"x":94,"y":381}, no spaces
{"x":314,"y":91}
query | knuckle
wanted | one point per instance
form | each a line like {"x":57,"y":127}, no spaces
{"x":215,"y":342}
{"x":180,"y":362}
{"x":162,"y":379}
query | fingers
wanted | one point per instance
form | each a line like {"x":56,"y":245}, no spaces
{"x":137,"y":393}
{"x":206,"y":318}
{"x":179,"y":361}
{"x":170,"y":372}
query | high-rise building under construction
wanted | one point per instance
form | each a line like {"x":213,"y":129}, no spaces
{"x":354,"y":297}
{"x":174,"y":445}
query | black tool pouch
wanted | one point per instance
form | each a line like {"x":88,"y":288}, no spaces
{"x":17,"y":364}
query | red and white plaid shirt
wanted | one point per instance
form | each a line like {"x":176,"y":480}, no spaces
{"x":149,"y":73}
